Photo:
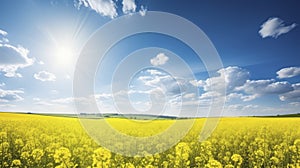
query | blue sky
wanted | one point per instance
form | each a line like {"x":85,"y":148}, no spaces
{"x":257,"y":41}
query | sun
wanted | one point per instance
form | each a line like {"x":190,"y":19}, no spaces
{"x":64,"y":54}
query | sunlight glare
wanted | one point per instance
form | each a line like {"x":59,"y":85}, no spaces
{"x":64,"y":54}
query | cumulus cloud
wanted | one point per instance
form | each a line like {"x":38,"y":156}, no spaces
{"x":154,"y":72}
{"x":103,"y":96}
{"x":210,"y":94}
{"x":274,"y":27}
{"x":199,"y":83}
{"x":103,"y":7}
{"x":3,"y":33}
{"x":160,"y":88}
{"x":13,"y":58}
{"x":241,"y":96}
{"x":229,"y":77}
{"x":238,"y":86}
{"x":128,"y":6}
{"x":143,"y":11}
{"x":262,"y":87}
{"x":288,"y":72}
{"x":234,"y":76}
{"x":160,"y":59}
{"x":10,"y":95}
{"x":3,"y":38}
{"x":44,"y":76}
{"x":224,"y":84}
{"x":293,"y":95}
{"x":189,"y":95}
{"x":153,"y":80}
{"x":109,"y":7}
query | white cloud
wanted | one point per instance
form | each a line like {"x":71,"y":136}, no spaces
{"x":102,"y":7}
{"x":199,"y":83}
{"x":238,"y":86}
{"x":3,"y":33}
{"x":66,"y":100}
{"x":288,"y":72}
{"x":13,"y":58}
{"x":129,"y":6}
{"x":229,"y":77}
{"x":232,"y":96}
{"x":189,"y":95}
{"x":143,"y":11}
{"x":153,"y":78}
{"x":274,"y":27}
{"x":224,"y":84}
{"x":2,"y":84}
{"x":241,"y":96}
{"x":3,"y":38}
{"x":44,"y":76}
{"x":109,"y":8}
{"x":295,"y":104}
{"x":79,"y":3}
{"x":153,"y":81}
{"x":10,"y":95}
{"x":103,"y":96}
{"x":160,"y":59}
{"x":154,"y":72}
{"x":262,"y":87}
{"x":296,"y":86}
{"x":163,"y":90}
{"x":210,"y":94}
{"x":234,"y":76}
{"x":293,"y":95}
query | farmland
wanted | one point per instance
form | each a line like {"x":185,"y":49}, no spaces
{"x":29,"y":140}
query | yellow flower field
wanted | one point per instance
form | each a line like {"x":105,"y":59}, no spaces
{"x":29,"y":140}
